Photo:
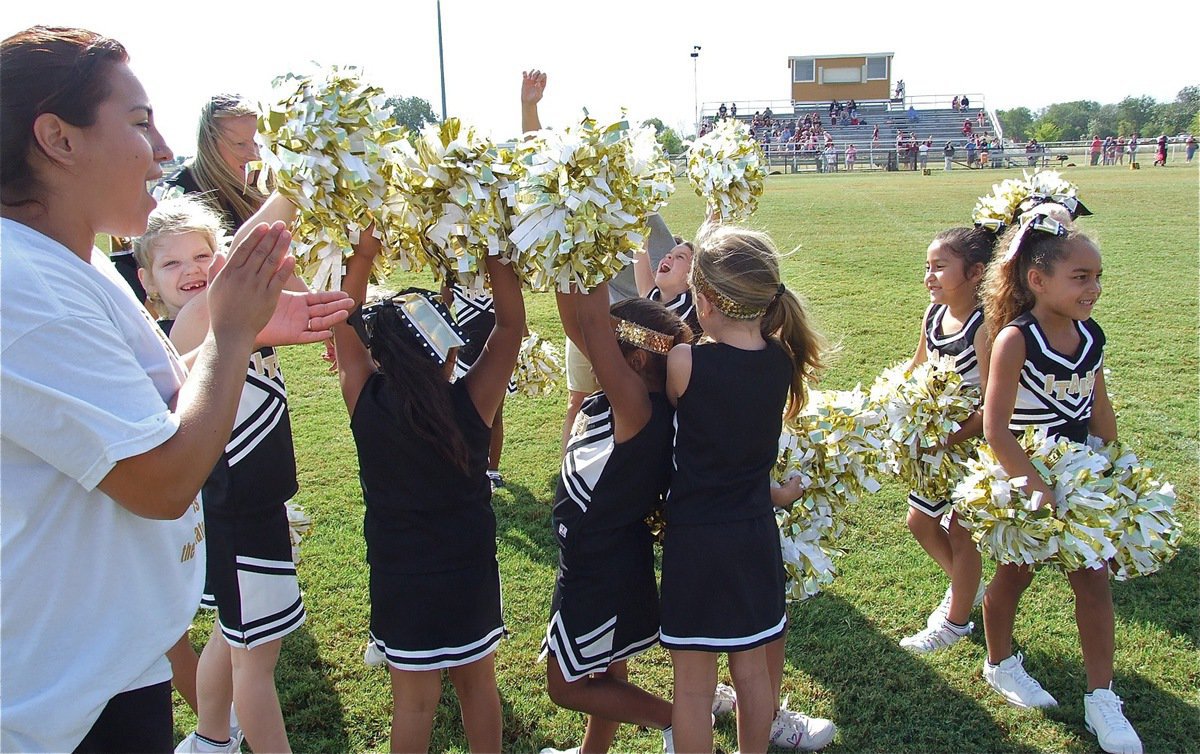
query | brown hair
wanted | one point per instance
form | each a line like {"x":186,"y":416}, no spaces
{"x":743,"y":265}
{"x":226,"y":189}
{"x":654,"y":316}
{"x":972,"y":245}
{"x":46,"y":69}
{"x":1005,"y":289}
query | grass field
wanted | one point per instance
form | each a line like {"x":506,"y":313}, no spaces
{"x":859,"y":243}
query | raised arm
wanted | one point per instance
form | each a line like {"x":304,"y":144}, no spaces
{"x":643,"y":275}
{"x":625,"y":388}
{"x":533,"y":84}
{"x":162,"y":482}
{"x":487,"y":381}
{"x":354,"y":362}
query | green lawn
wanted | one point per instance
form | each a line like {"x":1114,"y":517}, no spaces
{"x":857,"y":244}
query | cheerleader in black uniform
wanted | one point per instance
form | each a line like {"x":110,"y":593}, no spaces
{"x":668,"y":282}
{"x":722,"y":570}
{"x":1046,"y":371}
{"x":431,"y":534}
{"x":615,"y":472}
{"x":953,"y":326}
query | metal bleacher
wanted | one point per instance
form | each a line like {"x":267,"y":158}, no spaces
{"x":930,"y":118}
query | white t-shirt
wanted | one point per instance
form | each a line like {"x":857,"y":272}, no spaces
{"x":93,"y":595}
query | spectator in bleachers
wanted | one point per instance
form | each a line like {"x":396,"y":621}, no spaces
{"x":851,"y":156}
{"x":970,"y":152}
{"x":980,"y":118}
{"x":912,"y":114}
{"x":954,"y":103}
{"x":900,"y":89}
{"x":733,"y":110}
{"x":767,"y":113}
{"x":948,"y":154}
{"x":875,"y":134}
{"x":722,"y":111}
{"x":984,"y":155}
{"x":967,"y":129}
{"x":964,"y":102}
{"x":1097,"y":148}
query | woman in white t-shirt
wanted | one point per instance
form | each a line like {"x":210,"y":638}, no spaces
{"x":105,"y":440}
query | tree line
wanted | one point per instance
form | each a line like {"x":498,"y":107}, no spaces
{"x":1082,"y":119}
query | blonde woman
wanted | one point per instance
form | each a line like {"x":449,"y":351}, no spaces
{"x":225,"y":148}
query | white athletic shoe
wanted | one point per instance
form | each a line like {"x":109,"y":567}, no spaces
{"x":373,"y":657}
{"x":724,"y":700}
{"x":1102,"y":716}
{"x":1015,"y":685}
{"x":192,"y":744}
{"x":942,"y":611}
{"x":933,"y":639}
{"x":552,"y":750}
{"x":668,"y":740}
{"x":792,"y":730}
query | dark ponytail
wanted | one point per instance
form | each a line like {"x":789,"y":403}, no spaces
{"x":420,"y":388}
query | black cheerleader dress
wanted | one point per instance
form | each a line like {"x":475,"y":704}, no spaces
{"x":605,"y":606}
{"x":722,"y":571}
{"x":1055,"y":390}
{"x":431,"y":536}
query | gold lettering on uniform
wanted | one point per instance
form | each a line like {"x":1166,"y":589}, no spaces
{"x":189,"y":552}
{"x":268,"y":367}
{"x":199,"y":532}
{"x":1076,"y":385}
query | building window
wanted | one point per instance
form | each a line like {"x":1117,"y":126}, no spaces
{"x":877,"y":68}
{"x":841,"y":75}
{"x":803,"y":70}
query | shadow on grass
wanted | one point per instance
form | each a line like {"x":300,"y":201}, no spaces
{"x":523,"y":523}
{"x":1166,"y":599}
{"x":311,"y":706}
{"x":884,"y":698}
{"x":1164,"y":721}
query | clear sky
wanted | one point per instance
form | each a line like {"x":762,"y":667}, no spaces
{"x":605,"y":54}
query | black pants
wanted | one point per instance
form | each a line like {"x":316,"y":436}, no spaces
{"x":135,"y":722}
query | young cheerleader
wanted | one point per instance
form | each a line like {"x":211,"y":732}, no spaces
{"x":614,"y":474}
{"x":722,"y":571}
{"x":1046,"y":371}
{"x":251,"y":578}
{"x":430,"y":530}
{"x":668,"y":282}
{"x":954,"y":267}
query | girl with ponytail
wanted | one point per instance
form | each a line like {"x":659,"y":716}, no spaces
{"x":431,"y":533}
{"x":722,"y":571}
{"x":1046,"y":371}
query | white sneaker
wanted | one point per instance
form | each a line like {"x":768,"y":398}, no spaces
{"x":724,"y":700}
{"x":942,"y":611}
{"x":192,"y":744}
{"x":792,"y":730}
{"x":372,"y":656}
{"x":933,"y":639}
{"x":668,"y":740}
{"x":1015,"y":685}
{"x":1102,"y":716}
{"x":552,"y":750}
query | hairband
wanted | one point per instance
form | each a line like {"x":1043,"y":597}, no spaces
{"x":1070,"y":203}
{"x":1042,"y":223}
{"x":724,"y":303}
{"x":644,"y":338}
{"x":427,"y":322}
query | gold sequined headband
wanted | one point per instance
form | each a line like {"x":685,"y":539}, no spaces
{"x":724,"y":304}
{"x":643,"y":337}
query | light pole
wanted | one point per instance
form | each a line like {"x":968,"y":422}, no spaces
{"x":441,"y":59}
{"x":696,"y":86}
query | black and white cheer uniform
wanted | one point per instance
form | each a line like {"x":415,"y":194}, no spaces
{"x":960,"y":345}
{"x":722,"y":570}
{"x":431,"y":536}
{"x":682,"y":306}
{"x":1055,"y":390}
{"x":475,"y":314}
{"x":605,"y":605}
{"x":251,"y":578}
